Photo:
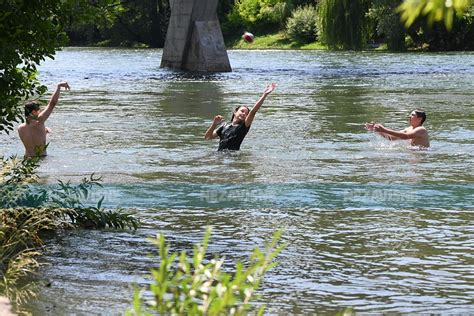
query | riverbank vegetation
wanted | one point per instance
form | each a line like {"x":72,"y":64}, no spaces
{"x":397,"y":25}
{"x":28,"y":211}
{"x":198,"y":286}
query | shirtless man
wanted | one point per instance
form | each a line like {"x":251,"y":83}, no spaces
{"x":416,"y":133}
{"x":33,"y":132}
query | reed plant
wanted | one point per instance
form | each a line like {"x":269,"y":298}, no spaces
{"x":20,"y":244}
{"x":28,"y":210}
{"x":197,"y":286}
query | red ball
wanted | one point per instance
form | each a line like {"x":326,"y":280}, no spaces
{"x":248,"y":37}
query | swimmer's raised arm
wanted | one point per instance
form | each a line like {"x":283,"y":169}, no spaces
{"x":211,"y":131}
{"x":44,"y":115}
{"x":258,"y":104}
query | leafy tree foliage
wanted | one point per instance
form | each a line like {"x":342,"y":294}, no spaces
{"x":387,"y":23}
{"x":30,"y":31}
{"x":262,"y":15}
{"x":342,"y":23}
{"x":121,"y":23}
{"x":87,"y":19}
{"x":302,"y":25}
{"x":438,"y":38}
{"x":434,"y":10}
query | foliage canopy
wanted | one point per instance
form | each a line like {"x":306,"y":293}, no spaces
{"x":342,"y":23}
{"x":434,"y":10}
{"x":30,"y":31}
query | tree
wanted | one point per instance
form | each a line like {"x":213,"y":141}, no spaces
{"x":342,"y":23}
{"x":387,"y":23}
{"x":437,"y":37}
{"x":262,"y":15}
{"x":120,"y":23}
{"x":30,"y":31}
{"x":141,"y":21}
{"x":434,"y":10}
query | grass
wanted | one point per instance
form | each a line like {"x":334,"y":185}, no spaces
{"x":271,"y":41}
{"x":280,"y":41}
{"x":19,"y":244}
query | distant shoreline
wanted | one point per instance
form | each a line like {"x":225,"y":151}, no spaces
{"x":276,"y":41}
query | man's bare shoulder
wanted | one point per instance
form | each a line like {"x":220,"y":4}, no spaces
{"x":24,"y":129}
{"x":420,"y":129}
{"x":21,"y":126}
{"x":33,"y":124}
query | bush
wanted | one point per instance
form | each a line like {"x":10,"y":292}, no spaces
{"x":460,"y":37}
{"x":19,"y":240}
{"x":302,"y":25}
{"x":199,"y":287}
{"x":30,"y":31}
{"x":27,"y":210}
{"x":260,"y":15}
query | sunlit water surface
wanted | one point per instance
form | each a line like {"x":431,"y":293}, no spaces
{"x":371,"y":225}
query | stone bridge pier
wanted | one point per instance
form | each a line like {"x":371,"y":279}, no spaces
{"x":194,"y":40}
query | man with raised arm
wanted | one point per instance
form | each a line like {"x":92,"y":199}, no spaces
{"x":33,"y":131}
{"x":416,"y":133}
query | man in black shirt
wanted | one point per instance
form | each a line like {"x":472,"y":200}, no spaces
{"x":232,"y":134}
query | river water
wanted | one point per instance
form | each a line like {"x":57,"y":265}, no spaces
{"x":370,"y":224}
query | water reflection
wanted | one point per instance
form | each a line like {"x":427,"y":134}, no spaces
{"x":198,"y":99}
{"x":343,"y":109}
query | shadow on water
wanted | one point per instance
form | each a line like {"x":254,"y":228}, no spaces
{"x":184,"y":76}
{"x":199,"y":99}
{"x":342,"y":110}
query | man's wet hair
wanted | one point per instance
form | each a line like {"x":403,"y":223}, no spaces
{"x":30,"y":107}
{"x":422,"y":114}
{"x":236,"y":109}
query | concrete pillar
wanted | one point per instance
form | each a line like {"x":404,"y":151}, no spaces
{"x":194,"y":39}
